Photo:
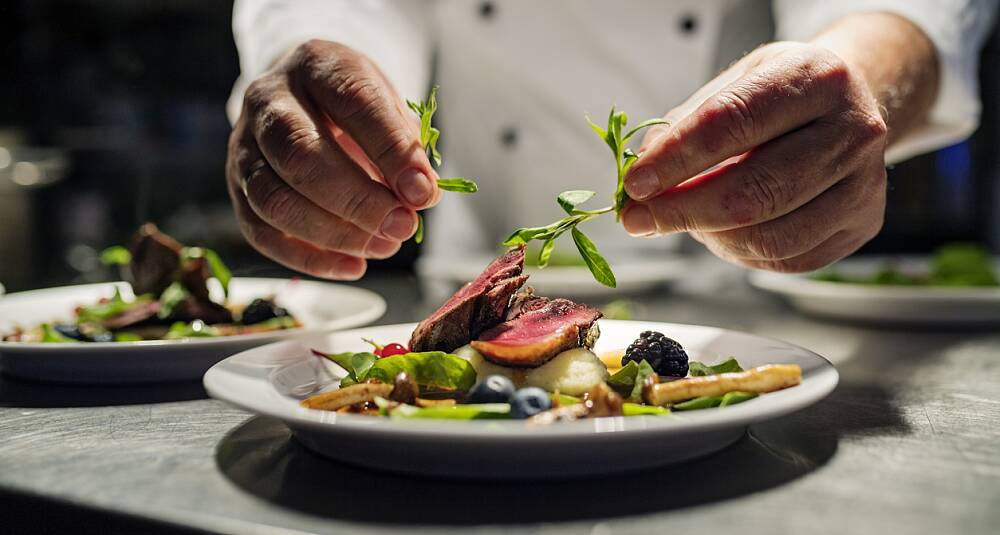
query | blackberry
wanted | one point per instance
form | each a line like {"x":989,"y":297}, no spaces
{"x":260,"y":310}
{"x":666,"y":356}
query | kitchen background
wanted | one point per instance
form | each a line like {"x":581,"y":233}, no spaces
{"x":113,"y":114}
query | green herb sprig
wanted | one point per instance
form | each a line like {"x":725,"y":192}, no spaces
{"x":571,"y":200}
{"x":428,"y":140}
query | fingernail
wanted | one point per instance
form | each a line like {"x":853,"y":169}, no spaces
{"x":398,"y":224}
{"x":415,"y":187}
{"x":642,"y":183}
{"x":638,"y":220}
{"x":381,"y":248}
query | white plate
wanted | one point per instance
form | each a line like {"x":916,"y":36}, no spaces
{"x":319,"y":306}
{"x":905,"y":305}
{"x":633,"y":275}
{"x":272,"y":379}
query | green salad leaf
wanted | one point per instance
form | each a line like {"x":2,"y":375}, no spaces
{"x":697,"y":369}
{"x":953,"y":264}
{"x":172,"y":296}
{"x":468,"y":411}
{"x":195,"y":329}
{"x":629,"y":380}
{"x":116,"y":256}
{"x":51,"y":336}
{"x":431,"y":370}
{"x":126,"y":336}
{"x":216,"y":266}
{"x":636,"y":409}
{"x":114,"y":306}
{"x":704,"y":402}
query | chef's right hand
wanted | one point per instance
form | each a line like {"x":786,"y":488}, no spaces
{"x":325,"y":167}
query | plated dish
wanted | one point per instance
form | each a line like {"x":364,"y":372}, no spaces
{"x":499,"y":360}
{"x":170,"y":300}
{"x":106,"y":333}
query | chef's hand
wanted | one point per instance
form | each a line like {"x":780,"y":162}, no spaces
{"x":325,"y":167}
{"x":777,"y":164}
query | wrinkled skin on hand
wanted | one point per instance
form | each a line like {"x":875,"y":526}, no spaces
{"x":325,"y":167}
{"x":776,"y":164}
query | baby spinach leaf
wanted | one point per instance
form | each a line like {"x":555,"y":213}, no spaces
{"x":216,"y":266}
{"x":195,"y":329}
{"x":431,"y":370}
{"x":697,"y":369}
{"x":355,"y":364}
{"x":644,"y":370}
{"x":623,"y":380}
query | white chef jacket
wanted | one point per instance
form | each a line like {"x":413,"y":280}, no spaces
{"x":517,"y":76}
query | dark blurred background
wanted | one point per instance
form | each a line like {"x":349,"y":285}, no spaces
{"x":114,"y":115}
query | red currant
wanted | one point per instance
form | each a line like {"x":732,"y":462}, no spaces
{"x":393,"y":349}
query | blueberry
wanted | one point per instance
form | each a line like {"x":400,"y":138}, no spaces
{"x":528,"y":402}
{"x":492,"y":389}
{"x":69,"y":330}
{"x":260,"y":310}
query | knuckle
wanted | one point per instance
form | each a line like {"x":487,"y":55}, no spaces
{"x":358,"y":97}
{"x":257,"y":95}
{"x":397,"y":142}
{"x":769,"y":243}
{"x":357,"y":205}
{"x":314,"y":262}
{"x":278,"y":204}
{"x":871,"y":129}
{"x":737,"y":112}
{"x":759,"y":195}
{"x":828,"y":68}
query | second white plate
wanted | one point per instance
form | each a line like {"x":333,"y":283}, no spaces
{"x":877,"y":304}
{"x":318,"y":306}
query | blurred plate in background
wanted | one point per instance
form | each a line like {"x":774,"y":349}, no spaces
{"x":319,"y":306}
{"x":883,"y":304}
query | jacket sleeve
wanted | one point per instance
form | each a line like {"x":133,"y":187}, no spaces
{"x":956,"y":27}
{"x":395,"y":34}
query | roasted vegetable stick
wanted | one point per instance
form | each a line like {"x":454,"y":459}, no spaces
{"x":349,"y":395}
{"x":760,"y":380}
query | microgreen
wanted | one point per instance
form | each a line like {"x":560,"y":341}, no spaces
{"x":571,"y":200}
{"x":428,"y":140}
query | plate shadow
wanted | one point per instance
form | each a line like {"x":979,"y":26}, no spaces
{"x":261,"y":457}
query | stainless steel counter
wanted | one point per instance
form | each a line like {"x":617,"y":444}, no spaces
{"x":908,"y":443}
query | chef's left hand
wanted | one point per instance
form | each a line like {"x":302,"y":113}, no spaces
{"x":777,"y":164}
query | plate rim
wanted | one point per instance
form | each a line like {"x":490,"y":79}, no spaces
{"x":151,"y":346}
{"x":827,"y":378}
{"x":800,"y":285}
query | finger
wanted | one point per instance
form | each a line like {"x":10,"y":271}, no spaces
{"x":801,"y":230}
{"x":356,"y":95}
{"x":290,"y":252}
{"x":774,"y":98}
{"x":838,"y":246}
{"x":287,"y":210}
{"x":766,"y":183}
{"x":309,"y":160}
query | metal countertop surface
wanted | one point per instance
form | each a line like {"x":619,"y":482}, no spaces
{"x":909,"y":442}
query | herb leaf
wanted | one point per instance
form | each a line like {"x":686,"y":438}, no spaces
{"x":598,"y":266}
{"x":116,"y":256}
{"x":418,"y":236}
{"x":215,"y":265}
{"x":546,"y":253}
{"x":460,"y":185}
{"x":172,"y":296}
{"x":570,"y":199}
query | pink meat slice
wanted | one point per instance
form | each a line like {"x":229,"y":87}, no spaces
{"x":477,"y":306}
{"x":543,"y":329}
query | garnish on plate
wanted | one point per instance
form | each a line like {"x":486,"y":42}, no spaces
{"x":571,"y":200}
{"x":428,"y":140}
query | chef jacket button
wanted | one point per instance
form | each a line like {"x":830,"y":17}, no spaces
{"x":486,"y":10}
{"x":508,"y":137}
{"x":688,"y":24}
